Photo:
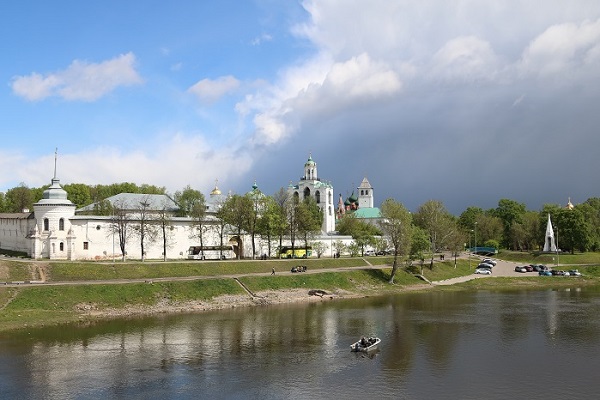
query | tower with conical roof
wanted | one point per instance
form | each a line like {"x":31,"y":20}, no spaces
{"x":549,"y":243}
{"x":53,"y":237}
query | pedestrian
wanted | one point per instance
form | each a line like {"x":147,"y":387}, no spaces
{"x":273,"y":271}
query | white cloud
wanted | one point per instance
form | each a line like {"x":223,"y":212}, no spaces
{"x":81,"y":81}
{"x":209,"y":91}
{"x":563,"y":48}
{"x":179,"y":159}
{"x":465,"y":59}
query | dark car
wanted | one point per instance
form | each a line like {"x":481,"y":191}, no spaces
{"x":529,"y":268}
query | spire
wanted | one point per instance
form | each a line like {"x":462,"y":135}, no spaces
{"x":55,"y":157}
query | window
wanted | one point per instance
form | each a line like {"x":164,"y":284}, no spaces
{"x":61,"y":224}
{"x":46,"y":224}
{"x":306,"y":193}
{"x":61,"y":246}
{"x":86,"y":245}
{"x":318,"y":196}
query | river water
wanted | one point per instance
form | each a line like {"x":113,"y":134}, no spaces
{"x":458,"y":345}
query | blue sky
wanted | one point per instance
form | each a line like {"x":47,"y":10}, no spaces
{"x":464,"y":102}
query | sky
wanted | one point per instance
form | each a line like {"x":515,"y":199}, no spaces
{"x":466,"y":102}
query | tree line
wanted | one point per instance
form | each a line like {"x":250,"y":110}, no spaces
{"x":272,"y":218}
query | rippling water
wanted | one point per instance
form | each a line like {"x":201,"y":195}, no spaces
{"x":461,"y":345}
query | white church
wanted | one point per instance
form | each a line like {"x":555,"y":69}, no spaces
{"x":55,"y":230}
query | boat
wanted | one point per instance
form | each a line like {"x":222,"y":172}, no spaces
{"x":365,"y":344}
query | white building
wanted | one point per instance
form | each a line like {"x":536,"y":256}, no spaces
{"x":56,"y":230}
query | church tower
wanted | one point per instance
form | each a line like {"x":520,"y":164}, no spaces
{"x":365,"y":194}
{"x":310,"y":185}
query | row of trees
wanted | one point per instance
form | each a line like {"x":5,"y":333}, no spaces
{"x":510,"y":225}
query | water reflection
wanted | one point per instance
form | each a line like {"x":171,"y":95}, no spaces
{"x":433,"y":345}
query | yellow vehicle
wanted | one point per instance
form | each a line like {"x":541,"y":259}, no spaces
{"x":298,"y":252}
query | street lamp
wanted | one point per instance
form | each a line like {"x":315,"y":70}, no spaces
{"x":475,"y":238}
{"x":556,"y":244}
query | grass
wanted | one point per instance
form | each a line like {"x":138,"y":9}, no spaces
{"x":77,"y":271}
{"x":49,"y":305}
{"x":56,"y":304}
{"x":550,"y":259}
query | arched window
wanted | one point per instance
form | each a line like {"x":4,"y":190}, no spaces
{"x":61,"y":246}
{"x":61,"y":224}
{"x":46,"y":224}
{"x":306,"y":193}
{"x":318,"y":196}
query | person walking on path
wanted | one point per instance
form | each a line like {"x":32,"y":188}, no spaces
{"x":273,"y":271}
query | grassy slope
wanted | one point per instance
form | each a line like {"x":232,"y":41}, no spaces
{"x":38,"y":305}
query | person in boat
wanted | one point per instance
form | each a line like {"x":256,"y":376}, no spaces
{"x":363,"y":341}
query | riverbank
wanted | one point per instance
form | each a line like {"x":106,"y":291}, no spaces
{"x":58,"y":302}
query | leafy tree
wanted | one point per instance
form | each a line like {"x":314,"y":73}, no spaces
{"x":234,"y":212}
{"x":396,"y":225}
{"x":572,"y":230}
{"x":433,"y":217}
{"x":309,"y":218}
{"x":339,"y":247}
{"x":79,"y":194}
{"x":419,"y":244}
{"x":489,"y":227}
{"x":362,"y":232}
{"x":271,"y":223}
{"x":19,"y":199}
{"x":319,"y":248}
{"x":509,"y":212}
{"x":191,"y":202}
{"x":468,"y":218}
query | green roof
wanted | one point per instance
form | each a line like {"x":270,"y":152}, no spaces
{"x":367,"y":213}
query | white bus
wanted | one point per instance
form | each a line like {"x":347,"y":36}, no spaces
{"x":210,"y":252}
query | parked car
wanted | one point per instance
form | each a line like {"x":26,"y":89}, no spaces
{"x":483,"y":271}
{"x":574,"y":272}
{"x":489,"y":261}
{"x":529,"y":268}
{"x":538,"y":267}
{"x":370,"y":253}
{"x":557,"y":272}
{"x":485,"y":265}
{"x":545,"y":273}
{"x":520,"y":268}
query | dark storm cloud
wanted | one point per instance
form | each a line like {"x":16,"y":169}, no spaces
{"x":458,"y":121}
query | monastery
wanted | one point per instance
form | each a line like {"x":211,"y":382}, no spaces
{"x":55,"y":230}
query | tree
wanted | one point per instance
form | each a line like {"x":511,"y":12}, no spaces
{"x":509,"y":212}
{"x":572,"y":230}
{"x":120,"y":226}
{"x":235,"y":211}
{"x":145,"y":229}
{"x":165,"y":225}
{"x":309,"y":219}
{"x":79,"y":194}
{"x":319,"y":248}
{"x":282,"y":199}
{"x":396,"y":225}
{"x":419,"y":244}
{"x":433,"y":217}
{"x":362,"y":232}
{"x":271,"y":222}
{"x":19,"y":198}
{"x":192,"y":204}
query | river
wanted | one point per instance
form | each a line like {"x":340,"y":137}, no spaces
{"x":447,"y":344}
